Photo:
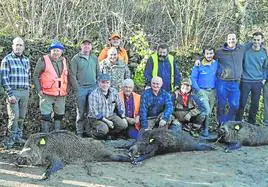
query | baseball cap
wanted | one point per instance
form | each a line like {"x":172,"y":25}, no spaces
{"x":104,"y":77}
{"x":86,"y":40}
{"x":114,"y":35}
{"x":186,"y":81}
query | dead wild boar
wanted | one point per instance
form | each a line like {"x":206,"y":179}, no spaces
{"x":62,"y":147}
{"x":238,"y":133}
{"x":162,"y":141}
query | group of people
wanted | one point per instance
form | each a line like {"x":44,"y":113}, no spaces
{"x":107,"y":105}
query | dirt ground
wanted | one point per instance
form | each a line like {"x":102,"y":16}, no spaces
{"x":245,"y":167}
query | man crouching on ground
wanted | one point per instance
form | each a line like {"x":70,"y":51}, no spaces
{"x":106,"y":110}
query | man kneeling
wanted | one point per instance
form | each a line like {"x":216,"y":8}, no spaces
{"x":106,"y":110}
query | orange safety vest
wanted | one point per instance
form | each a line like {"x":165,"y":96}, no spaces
{"x":137,"y":101}
{"x":50,"y":83}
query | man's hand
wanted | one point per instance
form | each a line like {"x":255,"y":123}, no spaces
{"x":263,"y":82}
{"x":147,"y":87}
{"x":124,"y":120}
{"x":109,"y":123}
{"x":187,"y":117}
{"x":40,"y":94}
{"x":131,"y":121}
{"x":162,"y":123}
{"x":12,"y":99}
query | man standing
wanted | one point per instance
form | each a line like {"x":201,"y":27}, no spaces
{"x":84,"y":72}
{"x":106,"y":110}
{"x":163,"y":65}
{"x":204,"y":82}
{"x":230,"y":58}
{"x":51,"y":81}
{"x":156,"y":106}
{"x":253,"y":76}
{"x":15,"y":69}
{"x":114,"y":41}
{"x":115,"y":68}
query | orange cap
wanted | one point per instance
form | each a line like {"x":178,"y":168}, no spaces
{"x":114,"y":35}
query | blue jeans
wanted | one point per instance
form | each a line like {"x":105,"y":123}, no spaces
{"x":228,"y":94}
{"x":82,"y":108}
{"x":255,"y":89}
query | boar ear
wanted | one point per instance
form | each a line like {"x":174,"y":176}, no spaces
{"x":151,"y":140}
{"x":40,"y":140}
{"x":237,"y":127}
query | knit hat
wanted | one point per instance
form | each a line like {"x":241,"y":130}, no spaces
{"x":56,"y":44}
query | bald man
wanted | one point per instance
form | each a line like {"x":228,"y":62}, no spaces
{"x":15,"y":71}
{"x":156,"y":106}
{"x":115,"y":68}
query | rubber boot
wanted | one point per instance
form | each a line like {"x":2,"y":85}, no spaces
{"x":204,"y":131}
{"x":57,"y":125}
{"x":45,"y":126}
{"x":19,"y":138}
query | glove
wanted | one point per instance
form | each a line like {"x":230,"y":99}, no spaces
{"x":197,"y":63}
{"x":131,"y":121}
{"x":109,"y":123}
{"x":162,"y":123}
{"x":12,"y":99}
{"x":147,"y":87}
{"x":187,"y":117}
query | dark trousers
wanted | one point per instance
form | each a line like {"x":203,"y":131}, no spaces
{"x":255,"y":89}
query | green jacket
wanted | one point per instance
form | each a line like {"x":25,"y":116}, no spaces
{"x":83,"y":71}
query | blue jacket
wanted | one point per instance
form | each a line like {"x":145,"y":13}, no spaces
{"x":204,"y":76}
{"x":152,"y":106}
{"x":163,"y":72}
{"x":254,"y":65}
{"x":230,"y":62}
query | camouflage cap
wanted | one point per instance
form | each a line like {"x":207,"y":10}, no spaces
{"x":186,"y":81}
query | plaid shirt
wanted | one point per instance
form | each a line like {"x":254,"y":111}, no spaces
{"x":15,"y":72}
{"x":152,"y":106}
{"x":100,"y":106}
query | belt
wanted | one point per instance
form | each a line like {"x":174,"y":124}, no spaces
{"x":207,"y":89}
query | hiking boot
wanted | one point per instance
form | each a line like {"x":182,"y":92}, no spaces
{"x":8,"y":143}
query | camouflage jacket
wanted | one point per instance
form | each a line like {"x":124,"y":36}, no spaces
{"x":118,"y":72}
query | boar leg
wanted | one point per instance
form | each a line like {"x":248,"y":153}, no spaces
{"x":139,"y":159}
{"x":232,"y":146}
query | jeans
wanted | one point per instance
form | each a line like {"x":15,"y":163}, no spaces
{"x":228,"y":94}
{"x":82,"y":108}
{"x":255,"y":89}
